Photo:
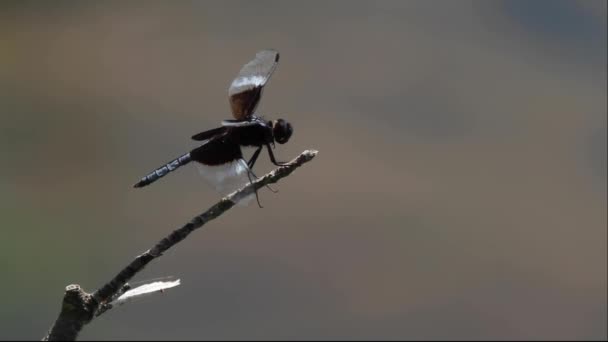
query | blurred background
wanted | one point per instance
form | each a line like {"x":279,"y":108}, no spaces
{"x":459,"y":192}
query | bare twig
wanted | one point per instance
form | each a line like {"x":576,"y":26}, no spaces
{"x":79,"y":307}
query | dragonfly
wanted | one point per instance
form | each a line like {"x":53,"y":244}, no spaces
{"x":220,"y":157}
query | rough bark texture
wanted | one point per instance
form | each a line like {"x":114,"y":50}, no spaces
{"x":76,"y":311}
{"x":80,"y":308}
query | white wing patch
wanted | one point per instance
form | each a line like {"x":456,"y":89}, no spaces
{"x":254,"y":81}
{"x":227,"y":178}
{"x":235,"y":123}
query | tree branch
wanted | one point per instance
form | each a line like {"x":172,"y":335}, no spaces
{"x":79,"y":307}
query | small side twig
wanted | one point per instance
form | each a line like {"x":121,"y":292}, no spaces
{"x":79,"y":307}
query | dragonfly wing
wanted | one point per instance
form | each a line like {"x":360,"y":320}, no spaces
{"x":228,"y":177}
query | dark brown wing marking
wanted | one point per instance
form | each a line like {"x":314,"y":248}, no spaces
{"x":246,"y":89}
{"x":217,"y":151}
{"x":209,"y":134}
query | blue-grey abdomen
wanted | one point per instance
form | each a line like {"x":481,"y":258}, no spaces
{"x":163,"y":170}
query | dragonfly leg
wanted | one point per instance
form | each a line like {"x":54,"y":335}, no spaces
{"x":257,"y":198}
{"x":254,"y":158}
{"x":267,"y":185}
{"x":252,"y":161}
{"x":272,"y":159}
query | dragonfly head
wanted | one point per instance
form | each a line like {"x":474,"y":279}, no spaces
{"x":281,"y":130}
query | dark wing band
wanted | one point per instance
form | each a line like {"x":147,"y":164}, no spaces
{"x":246,"y":89}
{"x":209,"y":134}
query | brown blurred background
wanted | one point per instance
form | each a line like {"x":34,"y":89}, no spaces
{"x":459,"y":193}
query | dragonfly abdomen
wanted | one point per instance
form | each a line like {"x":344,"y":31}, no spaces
{"x":163,"y":170}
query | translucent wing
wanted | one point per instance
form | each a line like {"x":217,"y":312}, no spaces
{"x":246,"y":89}
{"x":228,"y":177}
